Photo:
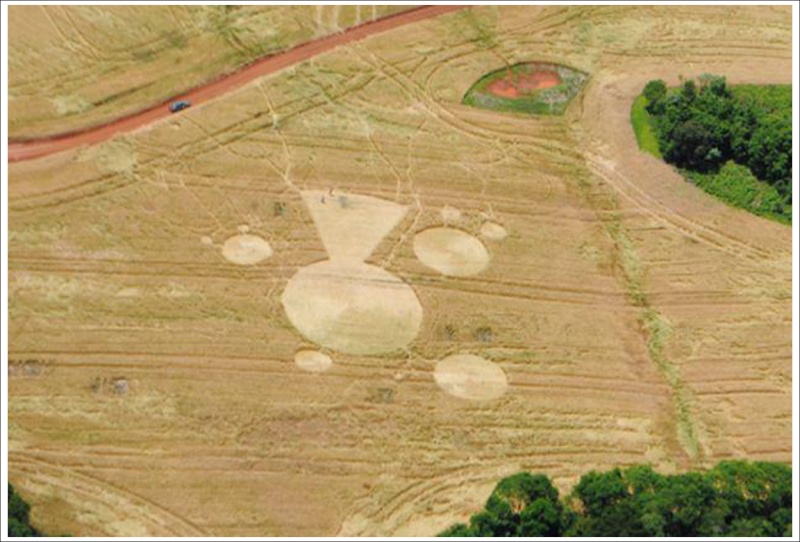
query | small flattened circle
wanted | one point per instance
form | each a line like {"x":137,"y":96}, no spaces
{"x":470,"y":377}
{"x":493,"y":231}
{"x":246,"y":249}
{"x":313,"y":361}
{"x":451,"y":252}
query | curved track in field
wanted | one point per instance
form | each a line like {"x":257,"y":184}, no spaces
{"x":35,"y":148}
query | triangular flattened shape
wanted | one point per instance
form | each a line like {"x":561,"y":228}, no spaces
{"x":351,"y":225}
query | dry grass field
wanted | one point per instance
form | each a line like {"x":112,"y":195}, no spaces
{"x":79,"y":66}
{"x":491,"y":292}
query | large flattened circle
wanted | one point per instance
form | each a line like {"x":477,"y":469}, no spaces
{"x":246,"y":249}
{"x":352,"y":307}
{"x":470,"y":377}
{"x":451,"y":252}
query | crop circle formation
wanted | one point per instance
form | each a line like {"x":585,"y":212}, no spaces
{"x":246,"y":249}
{"x":352,"y":307}
{"x":470,"y":377}
{"x":451,"y":252}
{"x":313,"y":361}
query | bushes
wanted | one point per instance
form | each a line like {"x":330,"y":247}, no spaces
{"x":735,"y":498}
{"x":654,"y":93}
{"x":701,"y":127}
{"x":769,"y":150}
{"x":738,"y":186}
{"x":18,"y":516}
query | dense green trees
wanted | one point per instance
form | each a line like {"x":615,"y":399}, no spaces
{"x":704,"y":125}
{"x":735,"y":498}
{"x":18,"y":520}
{"x":655,"y":92}
{"x":520,"y":505}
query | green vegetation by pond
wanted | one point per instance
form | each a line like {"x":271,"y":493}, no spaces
{"x":552,"y":100}
{"x":733,"y":142}
{"x":735,"y":498}
{"x":643,"y":127}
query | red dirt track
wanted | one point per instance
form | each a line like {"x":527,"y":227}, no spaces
{"x":515,"y":85}
{"x":27,"y":150}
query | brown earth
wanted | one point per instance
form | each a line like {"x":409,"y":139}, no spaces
{"x":636,"y":318}
{"x":514,"y":85}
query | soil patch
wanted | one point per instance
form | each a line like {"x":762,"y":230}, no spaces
{"x":514,"y":85}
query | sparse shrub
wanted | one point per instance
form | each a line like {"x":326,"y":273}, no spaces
{"x":484,"y":334}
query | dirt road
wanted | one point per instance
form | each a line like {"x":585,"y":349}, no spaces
{"x":27,"y":150}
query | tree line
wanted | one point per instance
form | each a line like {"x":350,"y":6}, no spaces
{"x":704,"y":124}
{"x":735,"y":498}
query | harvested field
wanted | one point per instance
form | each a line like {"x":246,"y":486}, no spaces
{"x":635,"y":318}
{"x":70,"y":68}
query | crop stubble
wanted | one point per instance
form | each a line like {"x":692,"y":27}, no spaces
{"x":636,"y":318}
{"x":71,"y":68}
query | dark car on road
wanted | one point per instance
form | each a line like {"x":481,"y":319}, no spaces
{"x":174,"y":107}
